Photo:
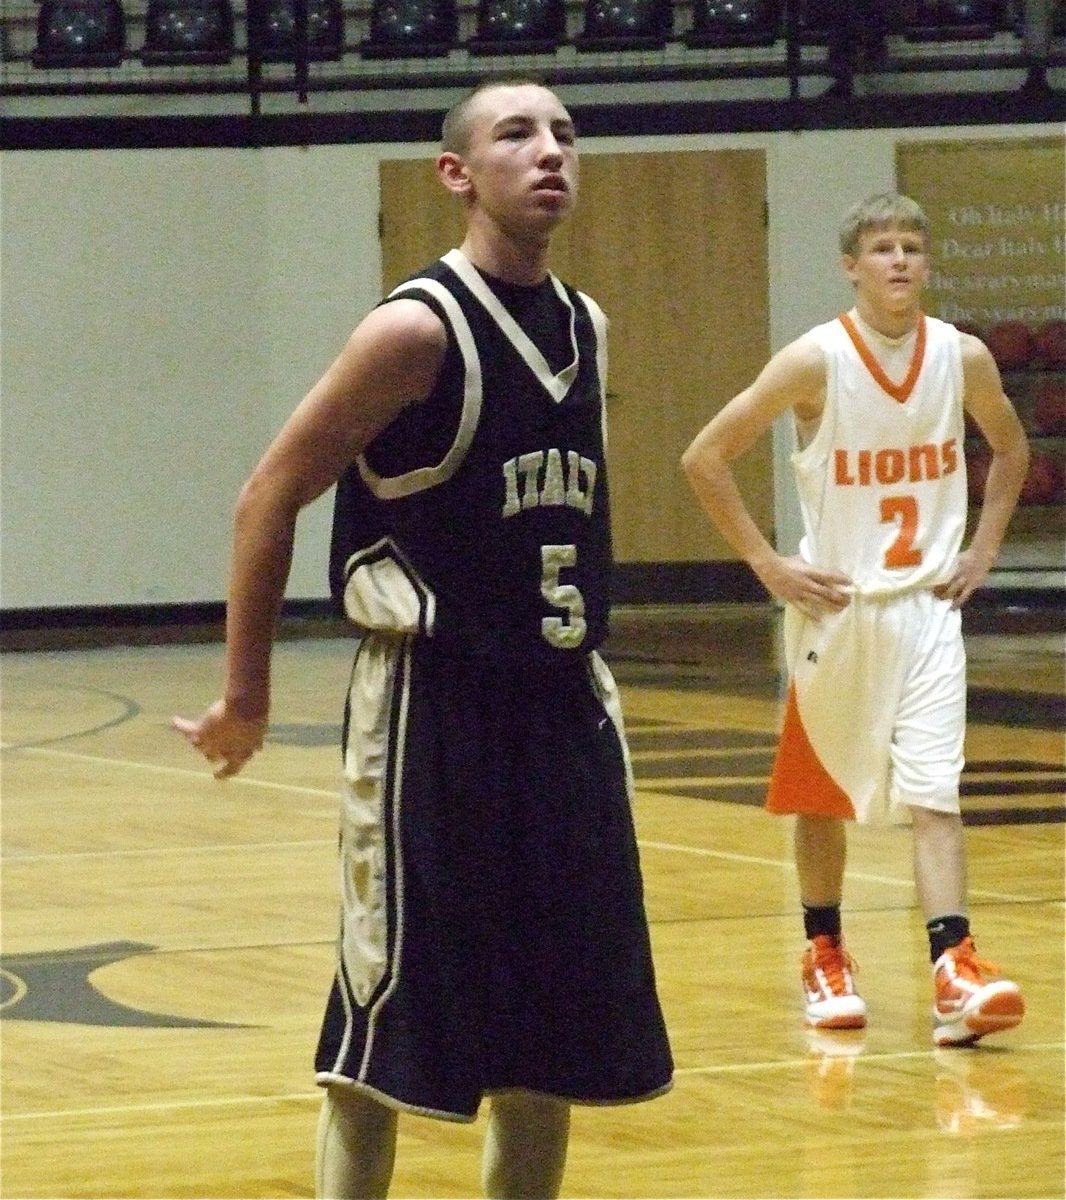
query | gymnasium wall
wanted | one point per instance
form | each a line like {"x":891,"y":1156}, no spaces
{"x":161,"y":311}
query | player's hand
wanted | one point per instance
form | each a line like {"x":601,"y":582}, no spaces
{"x":813,"y":590}
{"x":967,"y":575}
{"x":223,"y":737}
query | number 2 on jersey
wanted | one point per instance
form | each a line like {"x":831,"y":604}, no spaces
{"x":903,"y":552}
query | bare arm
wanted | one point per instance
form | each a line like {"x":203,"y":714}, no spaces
{"x":793,"y":379}
{"x":390,"y":361}
{"x":999,"y":425}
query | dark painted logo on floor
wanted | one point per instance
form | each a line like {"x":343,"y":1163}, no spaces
{"x":57,"y":986}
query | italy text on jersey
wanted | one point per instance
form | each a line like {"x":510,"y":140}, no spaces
{"x":546,"y":480}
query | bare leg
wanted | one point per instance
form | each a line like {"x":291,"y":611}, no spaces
{"x":525,"y":1147}
{"x":939,"y":862}
{"x":821,"y":849}
{"x":356,"y":1146}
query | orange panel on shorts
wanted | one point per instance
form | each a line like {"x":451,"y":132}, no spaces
{"x":799,"y":783}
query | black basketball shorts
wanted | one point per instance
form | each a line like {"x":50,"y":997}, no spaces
{"x":493,"y":933}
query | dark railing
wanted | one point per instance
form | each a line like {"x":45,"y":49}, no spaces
{"x":747,"y":49}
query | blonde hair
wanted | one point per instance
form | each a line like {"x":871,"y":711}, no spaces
{"x":886,"y":209}
{"x":455,"y":132}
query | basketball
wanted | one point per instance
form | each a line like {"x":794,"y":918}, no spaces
{"x":1050,"y":343}
{"x":1049,"y":407}
{"x":1045,"y":481}
{"x":1011,"y":343}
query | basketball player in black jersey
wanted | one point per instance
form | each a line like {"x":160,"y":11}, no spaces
{"x":493,"y":940}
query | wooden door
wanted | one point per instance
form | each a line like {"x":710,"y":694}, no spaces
{"x":673,"y":246}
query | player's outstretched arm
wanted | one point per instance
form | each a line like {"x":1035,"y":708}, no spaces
{"x":390,"y":361}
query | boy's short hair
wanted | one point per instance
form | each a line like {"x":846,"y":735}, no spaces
{"x":455,"y":132}
{"x":879,"y":212}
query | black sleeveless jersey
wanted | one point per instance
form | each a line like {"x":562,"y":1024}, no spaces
{"x":480,"y":516}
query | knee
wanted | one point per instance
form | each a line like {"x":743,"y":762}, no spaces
{"x":525,"y":1146}
{"x":815,"y":825}
{"x":357,"y":1117}
{"x":356,"y":1145}
{"x":933,"y":822}
{"x":530,"y":1111}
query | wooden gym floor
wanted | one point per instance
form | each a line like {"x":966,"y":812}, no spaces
{"x":168,"y":940}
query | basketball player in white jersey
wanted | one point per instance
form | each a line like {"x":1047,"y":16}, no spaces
{"x":493,"y":941}
{"x":876,"y":707}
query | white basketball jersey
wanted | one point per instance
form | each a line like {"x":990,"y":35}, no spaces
{"x":882,"y":482}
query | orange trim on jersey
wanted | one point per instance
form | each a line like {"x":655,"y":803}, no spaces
{"x":798,"y":782}
{"x":898,"y":391}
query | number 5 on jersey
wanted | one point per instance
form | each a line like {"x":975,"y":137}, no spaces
{"x":567,"y":631}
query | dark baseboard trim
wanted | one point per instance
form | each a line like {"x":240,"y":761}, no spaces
{"x":1015,"y":611}
{"x":88,"y":626}
{"x":992,"y":610}
{"x":83,"y":615}
{"x":687,"y":583}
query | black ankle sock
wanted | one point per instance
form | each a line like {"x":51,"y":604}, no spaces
{"x":945,"y":932}
{"x":823,"y":920}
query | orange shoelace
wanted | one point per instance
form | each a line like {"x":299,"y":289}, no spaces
{"x":833,"y":961}
{"x":968,"y":965}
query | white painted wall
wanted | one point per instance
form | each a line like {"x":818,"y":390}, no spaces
{"x":162,"y":311}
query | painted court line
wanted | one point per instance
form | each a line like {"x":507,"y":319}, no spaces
{"x":888,"y":1056}
{"x":202,"y":775}
{"x":11,"y":860}
{"x":702,"y":752}
{"x":780,"y":1064}
{"x":866,"y":877}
